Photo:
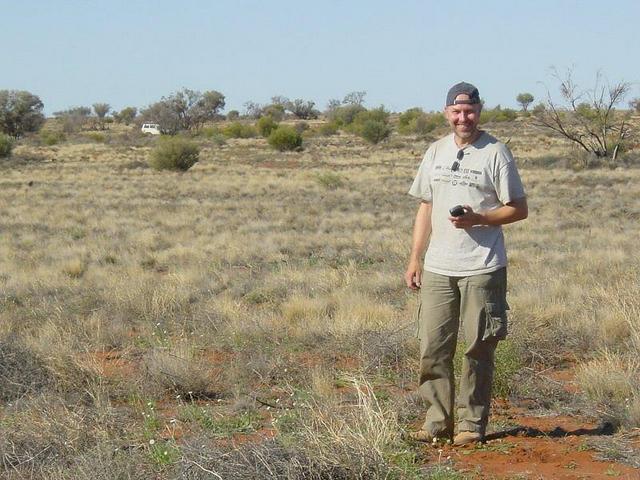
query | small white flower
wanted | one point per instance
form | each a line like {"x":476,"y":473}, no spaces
{"x":152,"y":441}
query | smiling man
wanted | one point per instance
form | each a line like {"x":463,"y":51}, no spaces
{"x":463,"y":279}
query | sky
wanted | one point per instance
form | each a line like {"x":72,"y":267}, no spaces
{"x":403,"y":53}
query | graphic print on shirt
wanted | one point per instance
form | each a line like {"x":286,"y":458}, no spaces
{"x":463,"y":177}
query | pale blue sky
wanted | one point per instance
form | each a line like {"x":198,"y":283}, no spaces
{"x":404,"y":53}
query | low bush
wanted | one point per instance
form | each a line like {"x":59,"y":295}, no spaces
{"x":181,"y":371}
{"x":266,"y":125}
{"x":328,"y":129}
{"x":345,"y":114}
{"x":374,"y":131}
{"x":174,"y":153}
{"x":285,"y":138}
{"x":498,"y":114}
{"x":49,"y":137}
{"x":239,"y":130}
{"x":415,"y":121}
{"x":214,"y":134}
{"x":22,"y":371}
{"x":330,"y":180}
{"x":96,"y":137}
{"x":6,"y":145}
{"x":612,"y":384}
{"x":372,"y":125}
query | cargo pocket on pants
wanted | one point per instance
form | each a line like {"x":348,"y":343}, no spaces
{"x":496,"y":324}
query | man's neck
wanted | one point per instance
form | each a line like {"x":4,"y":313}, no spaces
{"x":464,"y":142}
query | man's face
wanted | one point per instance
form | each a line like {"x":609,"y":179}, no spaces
{"x":463,"y":118}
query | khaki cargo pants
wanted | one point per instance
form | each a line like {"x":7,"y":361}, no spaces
{"x":479,"y":302}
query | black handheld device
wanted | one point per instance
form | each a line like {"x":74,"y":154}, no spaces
{"x":457,"y":211}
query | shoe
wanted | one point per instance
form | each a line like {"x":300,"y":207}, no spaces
{"x":427,"y":437}
{"x":466,"y":438}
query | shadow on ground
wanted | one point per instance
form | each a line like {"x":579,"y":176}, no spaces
{"x":606,"y":428}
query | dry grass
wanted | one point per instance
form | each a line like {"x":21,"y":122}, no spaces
{"x":270,"y":277}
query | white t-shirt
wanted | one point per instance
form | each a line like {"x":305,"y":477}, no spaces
{"x":487,"y":179}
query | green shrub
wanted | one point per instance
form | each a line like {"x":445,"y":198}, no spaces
{"x":415,"y":121}
{"x":377,"y":114}
{"x":239,"y":130}
{"x":407,"y":120}
{"x":374,"y":131}
{"x":345,"y":115}
{"x":330,"y":180}
{"x":285,"y":138}
{"x":266,"y":125}
{"x":372,"y":125}
{"x":328,"y":129}
{"x":497,"y":115}
{"x":49,"y":137}
{"x":233,"y":115}
{"x":214,"y":134}
{"x":174,"y":153}
{"x":6,"y":145}
{"x":96,"y":137}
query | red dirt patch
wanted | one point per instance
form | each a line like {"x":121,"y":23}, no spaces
{"x":541,"y":447}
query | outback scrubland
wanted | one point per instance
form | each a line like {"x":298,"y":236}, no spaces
{"x":248,"y":318}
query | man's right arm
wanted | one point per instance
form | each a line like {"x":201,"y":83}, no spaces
{"x":421,"y":233}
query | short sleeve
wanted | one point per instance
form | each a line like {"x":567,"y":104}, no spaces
{"x":421,"y":187}
{"x":508,"y":183}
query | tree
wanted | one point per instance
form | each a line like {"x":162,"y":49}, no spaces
{"x":524,"y":99}
{"x":302,"y":109}
{"x":20,"y":112}
{"x":126,"y":115}
{"x":252,"y":109}
{"x":73,"y":119}
{"x":354,"y":98}
{"x":635,"y":104}
{"x":588,"y":118}
{"x":101,"y":110}
{"x":185,"y":110}
{"x":332,"y":105}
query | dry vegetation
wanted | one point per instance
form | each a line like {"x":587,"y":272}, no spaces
{"x":247,"y":318}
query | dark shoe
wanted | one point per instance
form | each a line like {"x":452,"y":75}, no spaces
{"x":467,"y":438}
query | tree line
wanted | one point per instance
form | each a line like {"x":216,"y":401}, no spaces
{"x":588,"y":118}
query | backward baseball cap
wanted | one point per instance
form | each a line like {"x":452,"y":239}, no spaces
{"x":463,"y":88}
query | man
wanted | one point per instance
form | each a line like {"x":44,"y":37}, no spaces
{"x":464,"y":277}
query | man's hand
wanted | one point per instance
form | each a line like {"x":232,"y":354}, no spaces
{"x":509,"y":213}
{"x":468,"y":219}
{"x":413,"y":276}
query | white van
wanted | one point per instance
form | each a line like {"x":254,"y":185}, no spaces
{"x":151,"y":128}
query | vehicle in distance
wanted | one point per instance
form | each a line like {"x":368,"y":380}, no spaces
{"x":151,"y":128}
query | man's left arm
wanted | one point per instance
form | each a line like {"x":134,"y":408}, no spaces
{"x":511,"y":212}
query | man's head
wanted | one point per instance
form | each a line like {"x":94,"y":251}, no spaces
{"x":462,"y":111}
